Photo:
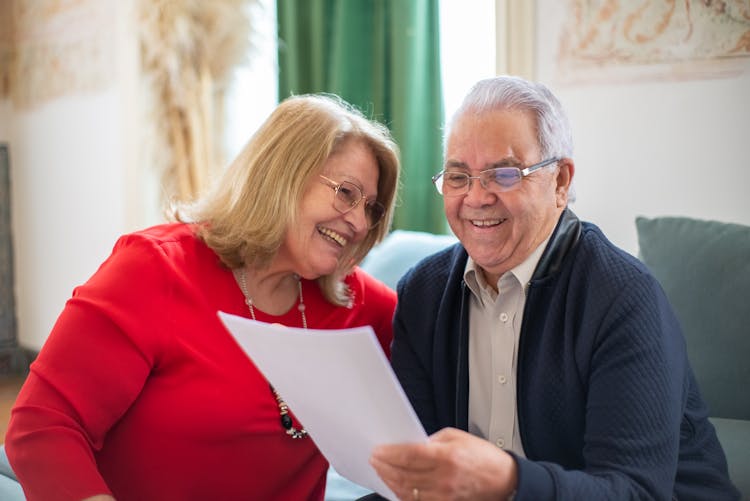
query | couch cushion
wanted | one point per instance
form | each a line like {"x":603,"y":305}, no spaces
{"x":5,"y":469}
{"x":339,"y":488}
{"x":734,"y":435}
{"x":10,"y":489}
{"x":704,"y":267}
{"x":401,"y":250}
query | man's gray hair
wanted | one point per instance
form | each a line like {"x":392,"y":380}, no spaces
{"x":515,"y":93}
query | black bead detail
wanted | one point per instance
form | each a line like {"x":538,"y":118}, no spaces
{"x":286,"y":421}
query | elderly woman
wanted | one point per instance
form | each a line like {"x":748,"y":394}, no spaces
{"x":141,"y":394}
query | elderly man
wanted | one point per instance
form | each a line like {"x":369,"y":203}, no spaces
{"x":545,"y":362}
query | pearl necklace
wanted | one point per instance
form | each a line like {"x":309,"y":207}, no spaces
{"x":286,"y":419}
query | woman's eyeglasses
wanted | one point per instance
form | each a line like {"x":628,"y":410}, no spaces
{"x":348,"y":195}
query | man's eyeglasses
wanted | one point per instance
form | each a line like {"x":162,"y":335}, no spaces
{"x":498,"y":180}
{"x":348,"y":195}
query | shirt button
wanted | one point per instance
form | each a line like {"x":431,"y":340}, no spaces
{"x":500,"y":442}
{"x":504,"y":317}
{"x":502,"y":379}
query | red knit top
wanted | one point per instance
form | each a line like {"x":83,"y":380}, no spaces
{"x":140,"y":392}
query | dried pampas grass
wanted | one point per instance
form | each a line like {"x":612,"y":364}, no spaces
{"x":188,"y":51}
{"x":6,"y":47}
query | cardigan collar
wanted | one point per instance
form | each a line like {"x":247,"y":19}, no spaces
{"x":564,"y":237}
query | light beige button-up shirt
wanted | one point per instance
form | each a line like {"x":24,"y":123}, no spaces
{"x":494,"y":330}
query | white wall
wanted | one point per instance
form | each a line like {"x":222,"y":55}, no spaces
{"x":655,"y":147}
{"x":75,"y":186}
{"x":68,"y":202}
{"x":253,"y":93}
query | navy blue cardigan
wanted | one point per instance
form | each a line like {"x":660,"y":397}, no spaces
{"x":608,"y":406}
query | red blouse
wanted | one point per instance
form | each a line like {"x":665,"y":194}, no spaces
{"x":140,"y":392}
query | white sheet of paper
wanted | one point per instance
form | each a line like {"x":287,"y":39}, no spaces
{"x":340,"y":386}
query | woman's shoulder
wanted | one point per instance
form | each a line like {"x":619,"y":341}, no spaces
{"x":168,"y":239}
{"x":161,"y":233}
{"x":171,"y":246}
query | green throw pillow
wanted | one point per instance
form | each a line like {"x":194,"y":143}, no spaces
{"x":704,"y":267}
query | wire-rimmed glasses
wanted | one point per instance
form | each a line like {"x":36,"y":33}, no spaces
{"x":498,"y":179}
{"x":348,"y":195}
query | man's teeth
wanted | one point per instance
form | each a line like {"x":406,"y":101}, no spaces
{"x":486,"y":222}
{"x":333,"y":236}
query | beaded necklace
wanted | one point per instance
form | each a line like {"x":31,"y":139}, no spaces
{"x":286,"y":419}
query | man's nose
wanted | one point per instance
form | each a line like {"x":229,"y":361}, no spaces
{"x":478,"y":194}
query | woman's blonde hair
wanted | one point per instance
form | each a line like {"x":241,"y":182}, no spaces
{"x":245,"y":218}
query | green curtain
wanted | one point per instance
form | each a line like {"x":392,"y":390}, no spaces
{"x":383,"y":57}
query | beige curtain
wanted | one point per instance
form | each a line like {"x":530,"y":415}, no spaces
{"x":188,"y":51}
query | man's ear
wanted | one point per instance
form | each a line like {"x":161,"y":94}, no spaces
{"x":566,"y":170}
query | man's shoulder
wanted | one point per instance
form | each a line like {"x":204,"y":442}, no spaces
{"x":604,"y":263}
{"x":595,"y":245}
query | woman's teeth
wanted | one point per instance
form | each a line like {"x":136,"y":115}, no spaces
{"x":333,"y":236}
